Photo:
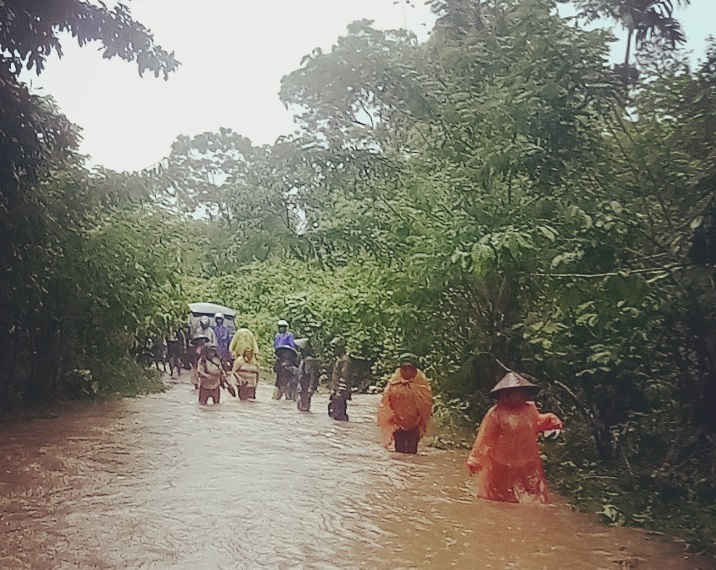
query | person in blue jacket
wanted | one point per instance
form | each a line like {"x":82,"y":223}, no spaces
{"x":284,"y":337}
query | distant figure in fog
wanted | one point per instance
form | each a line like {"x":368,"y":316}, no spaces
{"x":406,"y":406}
{"x":211,"y":373}
{"x":187,"y":353}
{"x":159,"y":353}
{"x":505,"y":456}
{"x":175,"y":346}
{"x":245,"y":373}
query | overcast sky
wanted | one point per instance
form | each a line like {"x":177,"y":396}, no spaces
{"x":233,"y":55}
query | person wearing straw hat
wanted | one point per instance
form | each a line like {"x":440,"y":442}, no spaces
{"x":406,"y":406}
{"x":505,"y":456}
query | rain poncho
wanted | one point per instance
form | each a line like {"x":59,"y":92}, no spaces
{"x":406,"y":404}
{"x":505,"y":456}
{"x":243,"y":339}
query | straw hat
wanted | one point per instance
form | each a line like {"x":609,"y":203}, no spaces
{"x":514,"y":380}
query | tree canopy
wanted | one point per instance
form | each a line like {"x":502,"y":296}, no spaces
{"x":496,"y":193}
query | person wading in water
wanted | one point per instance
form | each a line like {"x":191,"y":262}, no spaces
{"x":211,"y":374}
{"x":246,"y":373}
{"x":406,"y":406}
{"x":309,"y":370}
{"x":505,"y":456}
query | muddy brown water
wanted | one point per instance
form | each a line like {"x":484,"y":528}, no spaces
{"x":162,"y":483}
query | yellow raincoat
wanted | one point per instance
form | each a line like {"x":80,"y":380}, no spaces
{"x":405,"y":404}
{"x":243,"y":339}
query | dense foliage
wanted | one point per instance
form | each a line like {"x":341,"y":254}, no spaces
{"x":497,"y":193}
{"x":500,"y":193}
{"x":81,"y":273}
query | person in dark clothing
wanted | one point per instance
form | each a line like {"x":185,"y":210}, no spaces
{"x":175,"y":346}
{"x":338,"y":402}
{"x":286,"y":372}
{"x":308,"y":372}
{"x":223,"y":337}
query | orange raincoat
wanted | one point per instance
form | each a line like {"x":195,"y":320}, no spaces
{"x":506,"y":457}
{"x":405,"y":404}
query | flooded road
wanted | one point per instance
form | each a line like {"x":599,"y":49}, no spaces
{"x":162,"y":483}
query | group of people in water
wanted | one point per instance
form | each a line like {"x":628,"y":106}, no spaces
{"x":504,"y":458}
{"x":222,"y":359}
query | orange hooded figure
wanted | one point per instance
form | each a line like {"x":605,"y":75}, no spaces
{"x":406,"y":406}
{"x":505,"y":456}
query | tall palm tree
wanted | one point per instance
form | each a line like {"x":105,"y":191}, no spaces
{"x":645,"y":20}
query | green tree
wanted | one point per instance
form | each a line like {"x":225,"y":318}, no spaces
{"x":646,"y":21}
{"x":49,"y":204}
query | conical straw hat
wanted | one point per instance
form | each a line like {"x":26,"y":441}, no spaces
{"x":514,"y":380}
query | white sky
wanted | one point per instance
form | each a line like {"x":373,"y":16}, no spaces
{"x":233,"y":55}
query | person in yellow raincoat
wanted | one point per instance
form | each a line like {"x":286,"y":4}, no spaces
{"x":243,"y":339}
{"x":505,"y":456}
{"x":406,"y":406}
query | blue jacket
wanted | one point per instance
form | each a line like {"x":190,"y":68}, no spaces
{"x":284,"y":339}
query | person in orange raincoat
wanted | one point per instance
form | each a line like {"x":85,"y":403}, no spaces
{"x":406,"y":406}
{"x":505,"y":456}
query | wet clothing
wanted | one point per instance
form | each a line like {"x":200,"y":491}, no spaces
{"x":505,"y":455}
{"x":406,"y":441}
{"x":308,"y":372}
{"x":342,"y":373}
{"x":210,"y":374}
{"x":187,"y":356}
{"x":338,"y":407}
{"x":175,"y":351}
{"x":206,"y":393}
{"x":286,"y":376}
{"x":245,"y":375}
{"x":284,"y":339}
{"x":406,"y":405}
{"x":338,"y":401}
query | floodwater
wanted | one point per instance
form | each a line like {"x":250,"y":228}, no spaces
{"x":162,"y":483}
